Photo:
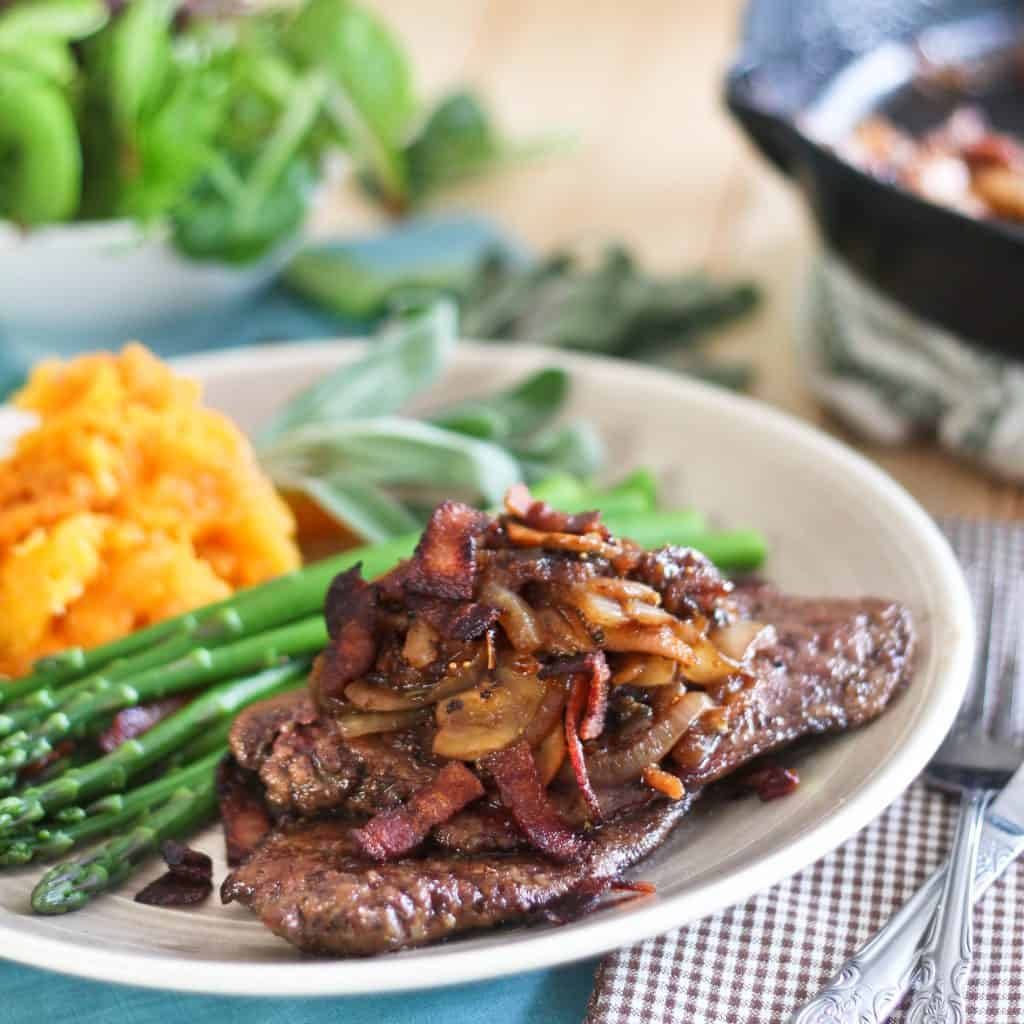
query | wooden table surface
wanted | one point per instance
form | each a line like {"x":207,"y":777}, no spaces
{"x":657,"y":163}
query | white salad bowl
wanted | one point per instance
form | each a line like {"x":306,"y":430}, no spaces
{"x":835,"y":525}
{"x":66,"y":286}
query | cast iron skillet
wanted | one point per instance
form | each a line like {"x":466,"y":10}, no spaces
{"x":809,"y":70}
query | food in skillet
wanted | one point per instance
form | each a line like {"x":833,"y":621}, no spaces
{"x":964,"y":163}
{"x":508,"y":720}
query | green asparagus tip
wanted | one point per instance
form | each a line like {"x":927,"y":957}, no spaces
{"x":15,"y":853}
{"x":13,"y":740}
{"x":71,"y":660}
{"x":16,"y":811}
{"x":67,"y":887}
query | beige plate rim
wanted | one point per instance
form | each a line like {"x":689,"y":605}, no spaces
{"x":447,"y":965}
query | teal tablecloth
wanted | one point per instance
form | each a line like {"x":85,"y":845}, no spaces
{"x":557,"y":996}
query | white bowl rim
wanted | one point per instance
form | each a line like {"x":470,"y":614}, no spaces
{"x":448,"y":964}
{"x":84,"y":233}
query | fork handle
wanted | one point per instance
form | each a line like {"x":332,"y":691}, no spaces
{"x":944,"y":962}
{"x":869,"y":986}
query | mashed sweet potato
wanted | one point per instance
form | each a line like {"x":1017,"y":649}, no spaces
{"x":126,"y":503}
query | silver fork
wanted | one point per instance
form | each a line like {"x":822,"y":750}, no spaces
{"x":981,"y":752}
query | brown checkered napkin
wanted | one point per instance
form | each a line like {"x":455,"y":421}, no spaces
{"x":757,"y":962}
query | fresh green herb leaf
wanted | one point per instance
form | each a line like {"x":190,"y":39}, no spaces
{"x":211,"y":224}
{"x":393,"y":452}
{"x":574,"y":448}
{"x":407,"y":358}
{"x":139,"y":58}
{"x":41,"y":173}
{"x":48,"y":58}
{"x":521,"y":410}
{"x":456,"y":142}
{"x":29,"y":22}
{"x":372,"y":98}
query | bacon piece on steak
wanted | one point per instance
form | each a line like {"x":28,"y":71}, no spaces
{"x":350,"y":611}
{"x":131,"y":722}
{"x":444,"y":563}
{"x":188,"y":881}
{"x":392,"y":834}
{"x":519,"y":784}
{"x":541,"y":516}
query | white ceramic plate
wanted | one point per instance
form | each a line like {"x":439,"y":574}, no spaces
{"x":835,"y":525}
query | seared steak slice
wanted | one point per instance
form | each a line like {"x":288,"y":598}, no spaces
{"x":309,"y":885}
{"x":308,"y":768}
{"x":255,"y":729}
{"x":836,"y":664}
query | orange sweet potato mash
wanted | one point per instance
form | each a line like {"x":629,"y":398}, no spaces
{"x":126,"y":503}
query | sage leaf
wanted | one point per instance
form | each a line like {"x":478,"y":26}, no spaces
{"x":390,"y":452}
{"x":521,"y":410}
{"x":408,"y":357}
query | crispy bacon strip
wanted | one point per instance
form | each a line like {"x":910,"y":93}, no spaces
{"x":131,"y":722}
{"x":350,"y":611}
{"x":444,"y":563}
{"x":593,"y":667}
{"x":393,"y":833}
{"x":245,"y":816}
{"x":519,"y":784}
{"x":573,"y":712}
{"x":188,"y":881}
{"x":541,"y":516}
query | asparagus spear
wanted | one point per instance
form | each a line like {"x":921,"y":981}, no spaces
{"x":202,"y":665}
{"x":31,"y":708}
{"x":113,"y":771}
{"x":108,"y":815}
{"x":73,"y":883}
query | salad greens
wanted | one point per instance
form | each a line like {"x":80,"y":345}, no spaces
{"x":343,"y":443}
{"x":216,"y":123}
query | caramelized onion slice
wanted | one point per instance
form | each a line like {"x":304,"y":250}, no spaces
{"x":462,"y":674}
{"x":550,"y":754}
{"x":742,"y":639}
{"x":699,"y":659}
{"x":365,"y":722}
{"x":623,"y":590}
{"x":516,"y":618}
{"x":644,"y":670}
{"x":616,"y":764}
{"x":493,"y":714}
{"x":420,"y":648}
